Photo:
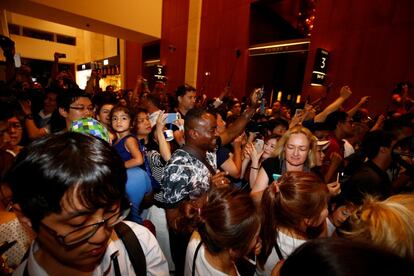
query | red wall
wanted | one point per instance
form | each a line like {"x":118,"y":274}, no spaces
{"x":174,"y":40}
{"x":370,"y":44}
{"x":224,"y":28}
{"x":133,"y":63}
{"x":172,"y":49}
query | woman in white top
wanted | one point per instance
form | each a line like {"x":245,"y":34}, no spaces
{"x":227,"y":229}
{"x":294,"y":209}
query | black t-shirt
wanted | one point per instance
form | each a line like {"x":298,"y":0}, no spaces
{"x":271,"y":166}
{"x":223,"y":154}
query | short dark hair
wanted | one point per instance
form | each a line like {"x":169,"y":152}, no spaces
{"x":374,"y":140}
{"x":66,"y":98}
{"x":277,"y":122}
{"x":183,"y":89}
{"x":84,"y":166}
{"x":334,"y":118}
{"x":215,"y":111}
{"x":153,"y":97}
{"x":192,"y":117}
{"x":103,"y":98}
{"x":53,"y":91}
{"x":8,"y":108}
{"x":233,"y":102}
{"x":317,"y":126}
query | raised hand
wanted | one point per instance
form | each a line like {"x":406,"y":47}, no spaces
{"x":160,"y":124}
{"x":334,"y":188}
{"x":364,"y":100}
{"x":345,"y":92}
{"x":26,"y":106}
{"x":254,"y":97}
{"x":247,"y":151}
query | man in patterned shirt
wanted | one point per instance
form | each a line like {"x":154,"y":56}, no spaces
{"x":192,"y":169}
{"x":186,"y":175}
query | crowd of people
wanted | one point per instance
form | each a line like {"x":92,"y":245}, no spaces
{"x":173,"y":183}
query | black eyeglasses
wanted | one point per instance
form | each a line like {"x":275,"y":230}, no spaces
{"x":14,"y":125}
{"x":82,"y":108}
{"x":85,"y":232}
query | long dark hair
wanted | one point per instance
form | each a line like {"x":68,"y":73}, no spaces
{"x":226,"y":218}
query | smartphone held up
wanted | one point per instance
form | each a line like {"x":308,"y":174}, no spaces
{"x":171,"y":118}
{"x":258,"y":145}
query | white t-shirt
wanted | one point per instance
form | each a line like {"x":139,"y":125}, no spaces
{"x":331,"y":227}
{"x":156,"y":262}
{"x":202,"y":267}
{"x":348,"y":148}
{"x":287,"y":245}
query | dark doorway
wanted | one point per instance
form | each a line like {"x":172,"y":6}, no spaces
{"x":278,"y":72}
{"x":41,"y":69}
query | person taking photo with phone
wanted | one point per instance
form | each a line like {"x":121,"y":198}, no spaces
{"x":295,"y":151}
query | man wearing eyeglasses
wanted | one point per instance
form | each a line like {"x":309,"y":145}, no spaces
{"x":75,"y":104}
{"x":70,"y":189}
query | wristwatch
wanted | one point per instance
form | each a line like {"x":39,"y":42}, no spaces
{"x":28,"y":117}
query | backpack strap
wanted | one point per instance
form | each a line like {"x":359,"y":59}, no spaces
{"x":116,"y":264}
{"x":278,"y":252}
{"x":133,"y":247}
{"x":195,"y":257}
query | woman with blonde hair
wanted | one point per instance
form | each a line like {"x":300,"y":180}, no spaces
{"x":295,"y":151}
{"x":388,"y":224}
{"x":294,"y":210}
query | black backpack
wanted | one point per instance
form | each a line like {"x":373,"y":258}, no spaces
{"x":135,"y":253}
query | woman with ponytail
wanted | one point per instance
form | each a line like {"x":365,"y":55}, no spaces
{"x":226,"y":228}
{"x":294,"y":209}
